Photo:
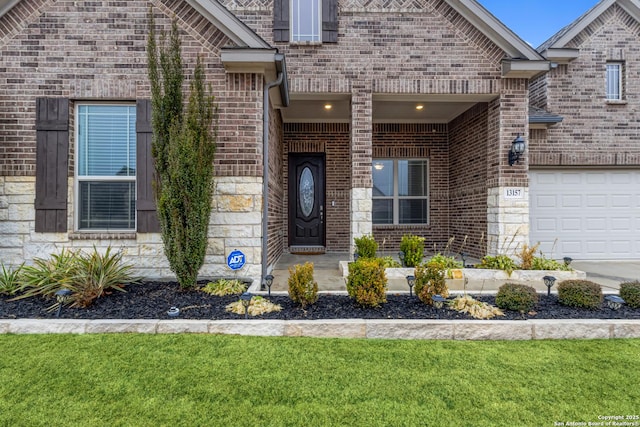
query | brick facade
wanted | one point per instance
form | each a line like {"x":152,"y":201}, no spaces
{"x":593,"y":132}
{"x":400,"y":49}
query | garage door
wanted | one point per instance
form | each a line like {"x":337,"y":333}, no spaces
{"x":591,"y":214}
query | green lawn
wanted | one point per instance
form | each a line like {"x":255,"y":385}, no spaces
{"x":207,"y":380}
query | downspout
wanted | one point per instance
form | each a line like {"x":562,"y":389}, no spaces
{"x":279,"y":58}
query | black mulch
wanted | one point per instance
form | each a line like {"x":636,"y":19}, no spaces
{"x":152,"y":300}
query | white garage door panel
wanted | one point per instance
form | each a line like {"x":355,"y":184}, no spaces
{"x":586,"y":214}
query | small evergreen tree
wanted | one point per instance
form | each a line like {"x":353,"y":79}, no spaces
{"x":183,"y":147}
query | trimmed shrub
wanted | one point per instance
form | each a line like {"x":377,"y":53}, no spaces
{"x":580,"y":293}
{"x":389,"y":262}
{"x":430,"y":281}
{"x":366,"y":246}
{"x":413,"y":248}
{"x":367,"y":282}
{"x":630,"y":293}
{"x":512,"y":296}
{"x":302,"y":288}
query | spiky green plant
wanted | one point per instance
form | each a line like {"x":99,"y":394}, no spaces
{"x":10,"y":279}
{"x":183,"y":147}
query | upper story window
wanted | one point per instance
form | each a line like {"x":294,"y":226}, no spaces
{"x":400,"y":191}
{"x":106,"y":167}
{"x":614,"y":81}
{"x":305,"y":20}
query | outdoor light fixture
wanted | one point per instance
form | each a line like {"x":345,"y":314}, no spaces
{"x":355,"y":256}
{"x":328,"y":107}
{"x":246,"y":302}
{"x":378,"y":166}
{"x":62,"y":296}
{"x":438,"y":301}
{"x":419,"y":107}
{"x":411,"y":280}
{"x":401,"y":256}
{"x":173,"y":312}
{"x":464,"y":263}
{"x":567,"y":260}
{"x":517,"y":150}
{"x":549,"y":281}
{"x":268,"y":280}
{"x":614,"y":302}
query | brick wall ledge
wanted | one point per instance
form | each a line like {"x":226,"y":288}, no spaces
{"x":351,"y":328}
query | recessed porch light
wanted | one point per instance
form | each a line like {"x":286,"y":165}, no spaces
{"x":419,"y":107}
{"x":328,"y":107}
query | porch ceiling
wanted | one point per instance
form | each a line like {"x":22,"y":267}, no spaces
{"x":311,"y":108}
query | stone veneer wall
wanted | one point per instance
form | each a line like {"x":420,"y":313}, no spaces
{"x":92,"y":52}
{"x":594,"y":132}
{"x":235,"y":224}
{"x":417,"y":141}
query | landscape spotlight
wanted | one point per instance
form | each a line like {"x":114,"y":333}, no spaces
{"x":268,"y":280}
{"x":411,"y":280}
{"x":549,"y":281}
{"x":246,"y":302}
{"x":62,"y":296}
{"x":614,"y":302}
{"x":567,"y":260}
{"x":438,"y":301}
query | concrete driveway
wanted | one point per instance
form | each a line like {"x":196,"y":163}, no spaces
{"x":609,"y":274}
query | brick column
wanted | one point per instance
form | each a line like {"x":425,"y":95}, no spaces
{"x":361,"y":151}
{"x":507,"y":186}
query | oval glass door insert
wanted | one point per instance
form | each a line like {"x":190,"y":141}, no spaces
{"x":307,"y":190}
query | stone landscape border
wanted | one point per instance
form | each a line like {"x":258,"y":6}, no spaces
{"x":343,"y":328}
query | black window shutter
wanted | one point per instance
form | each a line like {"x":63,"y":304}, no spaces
{"x":329,"y":21}
{"x":281,"y":20}
{"x":145,"y":201}
{"x":52,"y":164}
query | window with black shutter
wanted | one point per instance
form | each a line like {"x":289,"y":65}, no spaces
{"x":52,"y":164}
{"x":305,"y":20}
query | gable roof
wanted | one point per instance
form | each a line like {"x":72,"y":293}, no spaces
{"x":522,"y":59}
{"x":232,"y":27}
{"x":556,"y":46}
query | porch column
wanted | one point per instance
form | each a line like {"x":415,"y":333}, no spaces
{"x":508,"y":186}
{"x":361,"y":151}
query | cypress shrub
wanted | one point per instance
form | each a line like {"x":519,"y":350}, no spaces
{"x":183,"y":147}
{"x":302,"y":288}
{"x":367,"y":282}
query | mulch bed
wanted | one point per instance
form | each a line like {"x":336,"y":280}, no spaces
{"x":152,"y":300}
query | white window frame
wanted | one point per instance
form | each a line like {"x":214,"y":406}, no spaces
{"x":396,"y":192}
{"x":97,"y":178}
{"x":295,"y":16}
{"x":614,"y":71}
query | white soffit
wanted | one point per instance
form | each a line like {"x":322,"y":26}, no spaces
{"x":229,"y":24}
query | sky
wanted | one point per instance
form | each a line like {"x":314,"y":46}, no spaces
{"x":537,"y":20}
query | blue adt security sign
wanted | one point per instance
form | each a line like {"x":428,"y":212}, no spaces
{"x":236,"y":260}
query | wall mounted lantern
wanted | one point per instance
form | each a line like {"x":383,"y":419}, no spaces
{"x":517,"y":150}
